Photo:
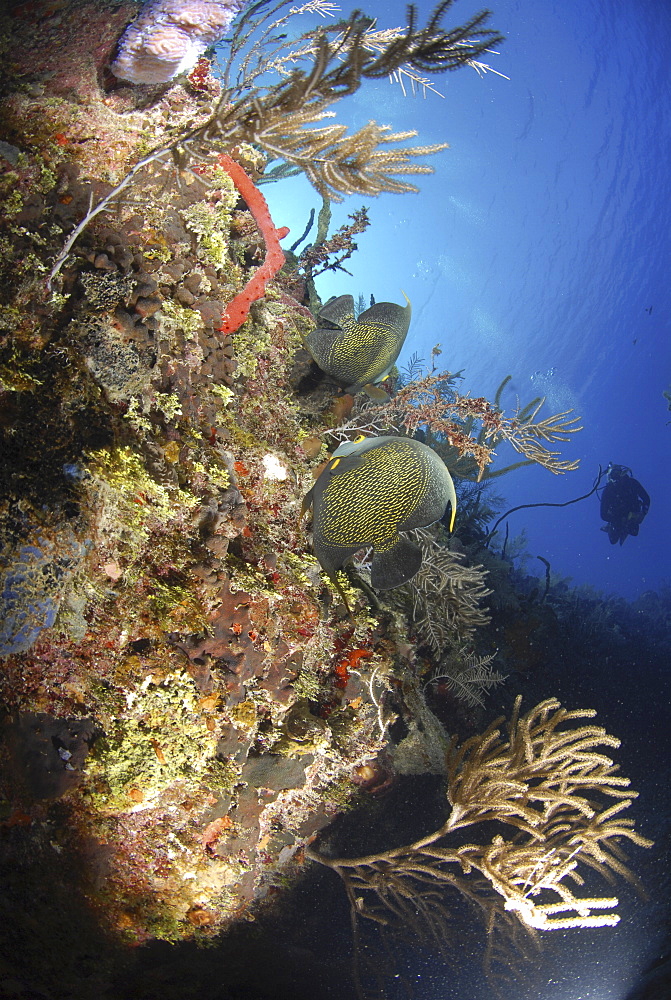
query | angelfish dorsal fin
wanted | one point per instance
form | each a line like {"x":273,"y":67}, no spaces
{"x":337,"y":310}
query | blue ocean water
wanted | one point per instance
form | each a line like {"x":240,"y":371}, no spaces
{"x":541,"y":248}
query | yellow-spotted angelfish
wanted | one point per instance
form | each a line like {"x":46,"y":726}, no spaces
{"x":359,"y":352}
{"x":372,"y":489}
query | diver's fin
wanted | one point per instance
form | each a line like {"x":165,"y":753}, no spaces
{"x":395,"y":566}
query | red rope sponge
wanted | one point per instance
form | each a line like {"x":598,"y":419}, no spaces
{"x":238,"y":309}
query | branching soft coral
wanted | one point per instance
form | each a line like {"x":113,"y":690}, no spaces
{"x":433,"y":406}
{"x":424,"y":405}
{"x":447,"y":596}
{"x":315,"y":70}
{"x":546,"y":784}
{"x":315,"y":259}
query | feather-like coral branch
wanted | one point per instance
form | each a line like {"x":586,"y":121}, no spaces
{"x":448,"y":419}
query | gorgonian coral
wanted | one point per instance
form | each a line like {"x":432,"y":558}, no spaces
{"x":169,"y":36}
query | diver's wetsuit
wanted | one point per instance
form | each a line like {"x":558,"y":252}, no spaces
{"x":624,"y":504}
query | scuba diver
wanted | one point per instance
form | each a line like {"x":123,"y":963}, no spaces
{"x":624,"y":504}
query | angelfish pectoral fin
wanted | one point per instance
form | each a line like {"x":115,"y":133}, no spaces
{"x":395,"y":566}
{"x":307,"y":503}
{"x":373,"y":392}
{"x":453,"y":503}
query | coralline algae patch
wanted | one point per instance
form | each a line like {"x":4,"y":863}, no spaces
{"x":32,"y":585}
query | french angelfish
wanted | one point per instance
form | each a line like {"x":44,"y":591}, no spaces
{"x":359,"y":352}
{"x":372,"y":489}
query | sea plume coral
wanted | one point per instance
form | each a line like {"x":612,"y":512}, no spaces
{"x":447,"y":597}
{"x":470,"y":677}
{"x":169,"y":36}
{"x":546,"y":785}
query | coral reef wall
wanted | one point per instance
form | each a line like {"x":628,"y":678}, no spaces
{"x":163,"y":625}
